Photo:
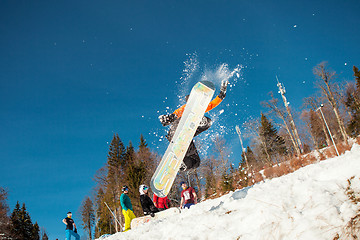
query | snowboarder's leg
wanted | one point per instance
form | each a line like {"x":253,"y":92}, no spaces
{"x":204,"y":125}
{"x":191,"y":159}
{"x":67,"y":234}
{"x":128,"y":215}
{"x":77,"y":236}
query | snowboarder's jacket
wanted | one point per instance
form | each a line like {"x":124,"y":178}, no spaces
{"x":161,"y":203}
{"x":147,"y":204}
{"x":214,"y":103}
{"x":188,"y":195}
{"x":125,"y":202}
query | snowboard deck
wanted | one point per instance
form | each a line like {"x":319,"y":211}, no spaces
{"x":164,"y":176}
{"x":159,"y":215}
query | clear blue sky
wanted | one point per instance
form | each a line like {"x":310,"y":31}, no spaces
{"x":73,"y":73}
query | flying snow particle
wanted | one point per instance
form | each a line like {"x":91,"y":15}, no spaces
{"x":221,"y":111}
{"x":345,"y":64}
{"x":295,"y":26}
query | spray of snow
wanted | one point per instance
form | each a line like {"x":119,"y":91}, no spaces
{"x":191,"y":74}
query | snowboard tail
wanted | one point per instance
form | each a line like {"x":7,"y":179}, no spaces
{"x":164,"y":176}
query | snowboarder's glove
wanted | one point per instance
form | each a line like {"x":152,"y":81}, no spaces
{"x":167,"y":119}
{"x":75,"y":230}
{"x":152,"y":214}
{"x":222,"y":93}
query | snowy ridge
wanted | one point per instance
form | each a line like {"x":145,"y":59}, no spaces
{"x":308,"y":204}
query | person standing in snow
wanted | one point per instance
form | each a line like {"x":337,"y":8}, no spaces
{"x":162,"y":203}
{"x":192,"y":159}
{"x":70,"y":227}
{"x":146,"y":202}
{"x":188,"y":196}
{"x":127,"y":209}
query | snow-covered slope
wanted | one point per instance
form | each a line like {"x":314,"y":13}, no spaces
{"x":308,"y":204}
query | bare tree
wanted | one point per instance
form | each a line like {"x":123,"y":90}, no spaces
{"x":5,"y":229}
{"x":326,"y":85}
{"x":272,"y":104}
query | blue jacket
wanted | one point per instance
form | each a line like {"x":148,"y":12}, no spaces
{"x":125,"y":202}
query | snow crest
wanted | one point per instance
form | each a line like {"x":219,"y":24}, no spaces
{"x":308,"y":204}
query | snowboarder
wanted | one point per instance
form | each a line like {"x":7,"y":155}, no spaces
{"x":192,"y":159}
{"x":146,"y":202}
{"x":162,"y":203}
{"x":71,"y":229}
{"x":127,"y":209}
{"x":188,"y":196}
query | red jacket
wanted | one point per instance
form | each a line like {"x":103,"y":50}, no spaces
{"x":161,"y":202}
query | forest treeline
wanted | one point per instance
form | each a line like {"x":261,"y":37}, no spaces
{"x":18,"y":225}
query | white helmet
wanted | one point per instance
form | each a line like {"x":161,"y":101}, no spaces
{"x":142,"y":188}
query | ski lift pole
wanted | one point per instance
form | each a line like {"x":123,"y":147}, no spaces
{"x":113,"y":215}
{"x":332,"y":139}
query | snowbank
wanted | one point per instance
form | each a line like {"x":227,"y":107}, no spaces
{"x":308,"y":204}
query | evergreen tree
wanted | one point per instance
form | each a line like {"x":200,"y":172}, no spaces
{"x":16,"y":221}
{"x":357,"y":77}
{"x":136,"y":172}
{"x":273,"y":144}
{"x":36,"y":231}
{"x":87,"y":216}
{"x":209,"y":174}
{"x":353,"y":103}
{"x":143,"y":143}
{"x":243,"y":178}
{"x":117,"y":167}
{"x":44,"y":236}
{"x":148,"y":158}
{"x":253,"y":163}
{"x":116,"y":159}
{"x":22,"y":224}
{"x":227,"y":180}
{"x":104,"y":219}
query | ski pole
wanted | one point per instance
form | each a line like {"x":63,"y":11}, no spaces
{"x":113,"y":214}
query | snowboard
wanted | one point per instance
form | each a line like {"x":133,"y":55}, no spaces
{"x":164,"y":176}
{"x":159,"y":215}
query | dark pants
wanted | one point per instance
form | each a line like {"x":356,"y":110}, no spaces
{"x":191,"y":159}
